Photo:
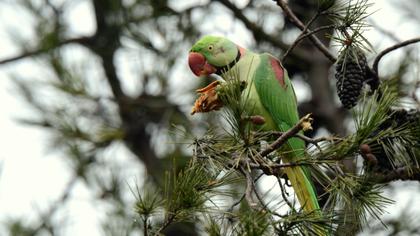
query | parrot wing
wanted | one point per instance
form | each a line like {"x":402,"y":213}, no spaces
{"x":277,"y":95}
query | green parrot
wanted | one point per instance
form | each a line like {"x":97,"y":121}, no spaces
{"x":271,"y":95}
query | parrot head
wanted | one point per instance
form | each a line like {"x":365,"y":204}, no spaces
{"x":211,"y":54}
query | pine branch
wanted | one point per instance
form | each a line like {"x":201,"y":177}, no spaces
{"x":295,"y":20}
{"x":314,"y":141}
{"x":390,"y":49}
{"x":303,"y":124}
{"x":402,"y":173}
{"x":275,"y":166}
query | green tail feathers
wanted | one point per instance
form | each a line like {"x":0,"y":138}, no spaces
{"x":301,"y":181}
{"x":300,"y":177}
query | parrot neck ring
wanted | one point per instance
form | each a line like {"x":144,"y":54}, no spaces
{"x":222,"y":69}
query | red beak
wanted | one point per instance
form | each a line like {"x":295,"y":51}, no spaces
{"x":199,"y":65}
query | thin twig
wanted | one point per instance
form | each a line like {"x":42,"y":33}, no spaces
{"x":258,"y":32}
{"x":314,"y":141}
{"x":249,"y":189}
{"x":236,"y":203}
{"x":314,"y":39}
{"x":304,"y":35}
{"x":265,"y":206}
{"x":303,"y":137}
{"x":167,"y":222}
{"x":276,"y":165}
{"x":284,"y":193}
{"x":390,"y":49}
{"x":243,"y":196}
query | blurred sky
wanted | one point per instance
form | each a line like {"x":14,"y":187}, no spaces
{"x":32,"y":177}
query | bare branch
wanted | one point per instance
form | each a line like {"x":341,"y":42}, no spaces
{"x":249,"y":189}
{"x":295,"y":20}
{"x":390,"y":49}
{"x":304,"y":35}
{"x":258,"y":32}
{"x":86,"y":40}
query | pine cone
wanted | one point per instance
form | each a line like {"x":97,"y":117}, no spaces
{"x":350,"y":75}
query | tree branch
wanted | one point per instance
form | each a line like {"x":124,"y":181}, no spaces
{"x":390,"y":49}
{"x":307,"y":139}
{"x":303,"y":124}
{"x":315,"y":40}
{"x":106,"y":43}
{"x":258,"y":32}
{"x":402,"y":173}
{"x":304,"y":34}
{"x":85,"y":40}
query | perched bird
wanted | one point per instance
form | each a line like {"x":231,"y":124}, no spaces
{"x":271,"y":95}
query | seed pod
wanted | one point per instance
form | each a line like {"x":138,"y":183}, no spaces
{"x":257,"y":120}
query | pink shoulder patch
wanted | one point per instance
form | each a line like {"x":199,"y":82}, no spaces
{"x":241,"y":51}
{"x":278,"y":71}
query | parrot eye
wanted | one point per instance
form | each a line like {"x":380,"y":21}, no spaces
{"x":210,"y":47}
